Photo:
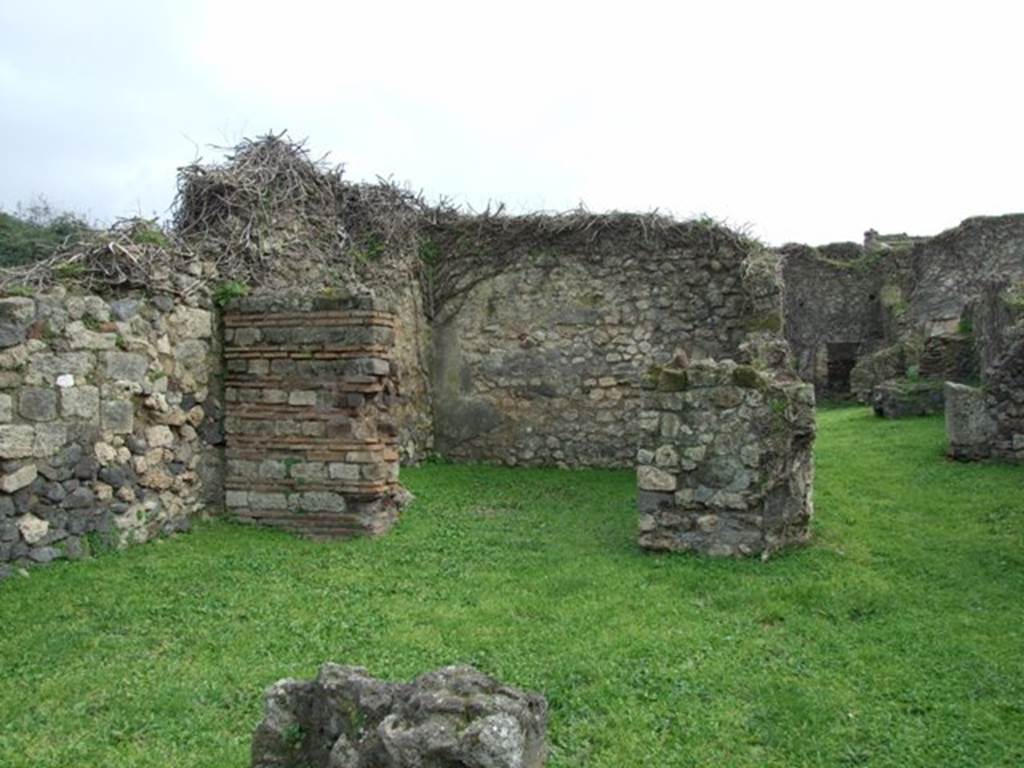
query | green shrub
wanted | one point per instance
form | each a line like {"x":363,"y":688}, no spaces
{"x":36,"y":232}
{"x":231,"y":289}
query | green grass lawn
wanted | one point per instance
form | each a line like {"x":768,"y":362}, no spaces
{"x":895,"y":639}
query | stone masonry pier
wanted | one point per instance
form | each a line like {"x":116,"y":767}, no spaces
{"x":311,"y":442}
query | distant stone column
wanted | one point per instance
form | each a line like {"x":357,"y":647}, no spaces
{"x":725,"y":465}
{"x":969,"y":427}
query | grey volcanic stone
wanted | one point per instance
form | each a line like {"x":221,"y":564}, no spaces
{"x":128,"y":366}
{"x":124,"y":309}
{"x":55,"y":492}
{"x":969,"y":425}
{"x":114,"y":476}
{"x":900,"y":398}
{"x":45,"y":554}
{"x":69,"y":456}
{"x":16,"y":314}
{"x":37,"y":404}
{"x":135,"y":444}
{"x":163,"y":303}
{"x":455,"y":717}
{"x":87,"y":468}
{"x":118,"y":416}
{"x":75,"y":548}
{"x":80,"y":498}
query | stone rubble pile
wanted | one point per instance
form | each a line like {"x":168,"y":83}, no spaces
{"x":454,"y":716}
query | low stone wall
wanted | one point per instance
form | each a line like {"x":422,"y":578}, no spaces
{"x":311,"y":441}
{"x":109,"y":422}
{"x":725,"y":462}
{"x":454,"y":716}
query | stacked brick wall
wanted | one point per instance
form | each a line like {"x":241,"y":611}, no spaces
{"x":310,"y":388}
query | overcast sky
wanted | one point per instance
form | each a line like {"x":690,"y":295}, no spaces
{"x":810,"y":121}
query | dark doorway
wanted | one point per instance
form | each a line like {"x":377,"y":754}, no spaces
{"x":842,"y":356}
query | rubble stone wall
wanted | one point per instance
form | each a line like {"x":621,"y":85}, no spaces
{"x":109,"y":422}
{"x":832,"y":297}
{"x":411,"y":354}
{"x":890,"y":297}
{"x":725,"y":465}
{"x":311,"y":439}
{"x":1004,"y":389}
{"x":543,"y":364}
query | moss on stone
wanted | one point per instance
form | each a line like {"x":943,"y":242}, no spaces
{"x":746,"y":376}
{"x":772,"y":321}
{"x":672,"y":379}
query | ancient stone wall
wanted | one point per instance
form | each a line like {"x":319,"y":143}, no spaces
{"x":109,"y":422}
{"x":311,"y":438}
{"x":1004,"y":389}
{"x":881,"y":305}
{"x":988,"y":421}
{"x":834,"y":315}
{"x":996,"y":309}
{"x":413,"y":412}
{"x":955,"y":266}
{"x":542,"y":364}
{"x":725,"y":461}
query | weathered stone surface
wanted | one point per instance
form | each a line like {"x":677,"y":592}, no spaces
{"x":47,"y":367}
{"x":654,"y":479}
{"x":455,"y":716}
{"x":48,"y":439}
{"x":69,"y":418}
{"x":857,"y":315}
{"x":733,"y":474}
{"x":17,"y":441}
{"x":16,"y":315}
{"x":43,"y":555}
{"x":556,"y":376}
{"x":80,"y":498}
{"x":125,"y":366}
{"x":124,"y":309}
{"x":970,"y":427}
{"x":18,"y":479}
{"x":82,"y":402}
{"x":81,"y":337}
{"x":316,"y":398}
{"x":901,"y":398}
{"x":33,"y":530}
{"x":118,"y":416}
{"x":191,"y":323}
{"x":159,"y":436}
{"x":36,"y":404}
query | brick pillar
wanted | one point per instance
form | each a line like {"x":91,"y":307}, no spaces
{"x":311,"y":442}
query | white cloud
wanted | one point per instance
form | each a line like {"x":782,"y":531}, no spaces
{"x":813,"y":121}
